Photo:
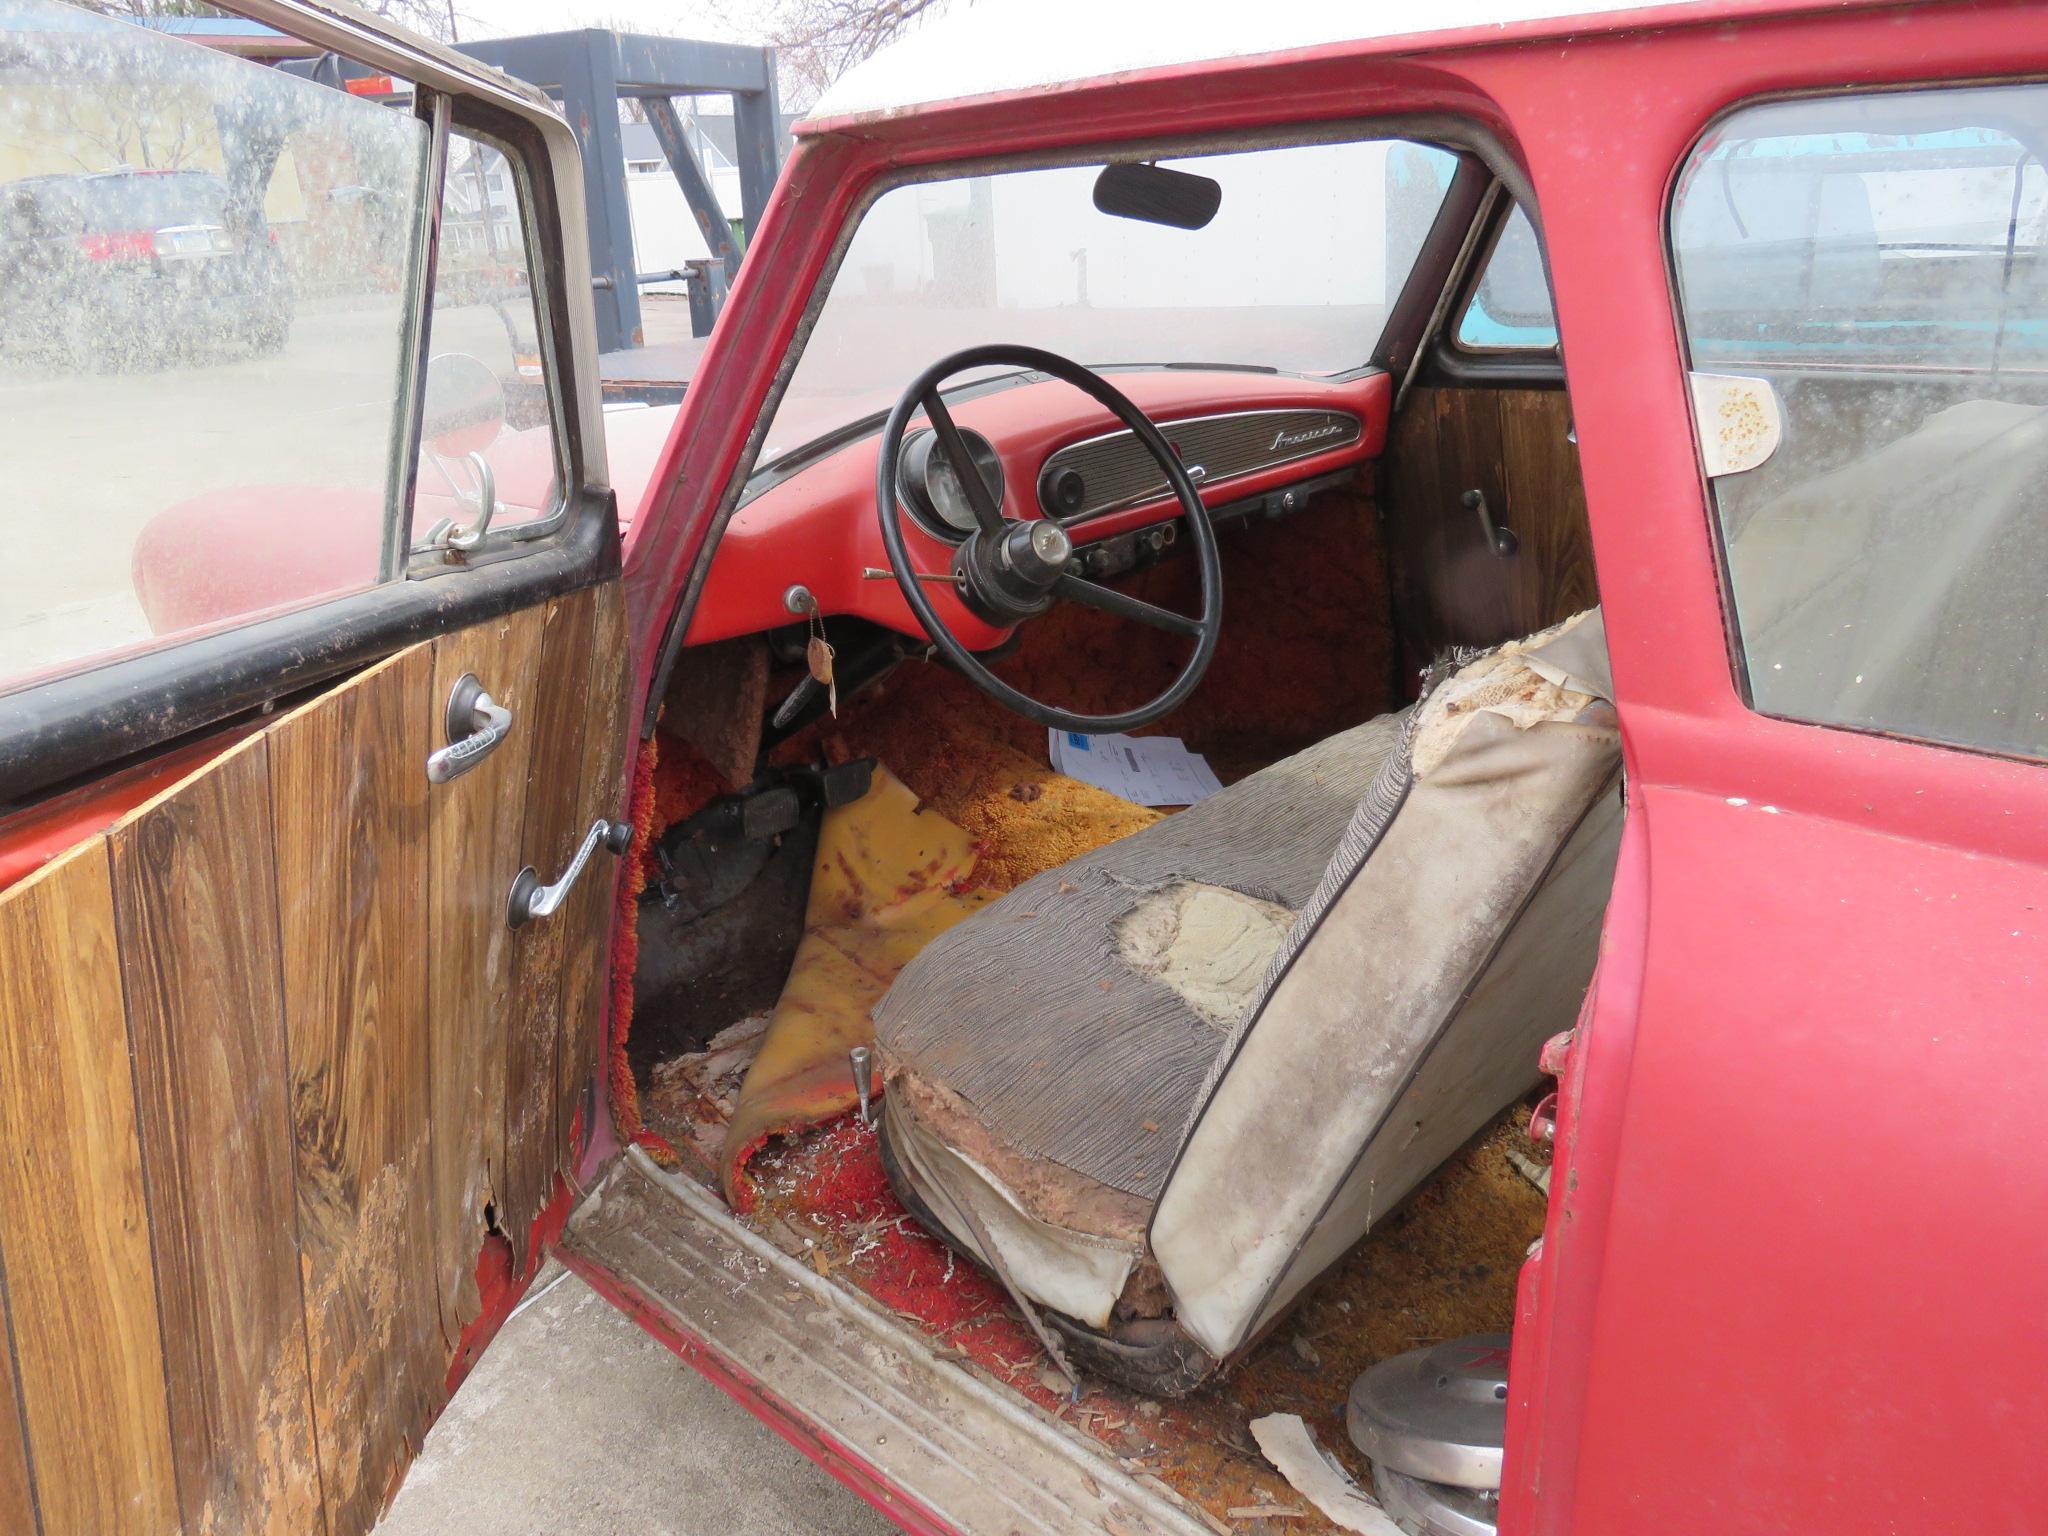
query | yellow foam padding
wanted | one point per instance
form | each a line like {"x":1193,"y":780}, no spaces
{"x":888,"y":879}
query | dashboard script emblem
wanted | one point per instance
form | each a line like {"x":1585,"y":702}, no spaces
{"x":1286,"y":439}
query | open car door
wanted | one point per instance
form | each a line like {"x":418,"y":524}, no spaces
{"x":313,"y":680}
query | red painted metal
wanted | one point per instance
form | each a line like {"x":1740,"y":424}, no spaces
{"x":499,"y":1285}
{"x":30,"y":839}
{"x":846,"y":1466}
{"x":819,"y":527}
{"x":1749,"y":1314}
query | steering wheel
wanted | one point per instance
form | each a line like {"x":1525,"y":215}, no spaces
{"x":1012,"y":569}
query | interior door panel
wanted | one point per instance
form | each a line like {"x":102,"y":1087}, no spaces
{"x":272,"y":1065}
{"x":1513,"y":446}
{"x":17,"y":1507}
{"x":474,"y":852}
{"x":587,"y":917}
{"x":196,"y":923}
{"x":74,"y":1222}
{"x":357,"y":1030}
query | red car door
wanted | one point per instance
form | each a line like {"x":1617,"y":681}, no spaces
{"x":1793,"y":1276}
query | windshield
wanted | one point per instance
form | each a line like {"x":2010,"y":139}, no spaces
{"x":1308,"y":248}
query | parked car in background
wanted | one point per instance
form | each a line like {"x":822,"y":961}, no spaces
{"x":120,"y":268}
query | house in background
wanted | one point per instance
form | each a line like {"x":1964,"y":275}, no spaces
{"x":665,"y":236}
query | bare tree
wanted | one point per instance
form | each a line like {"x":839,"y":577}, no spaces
{"x":817,"y":41}
{"x":436,"y":18}
{"x":441,"y":19}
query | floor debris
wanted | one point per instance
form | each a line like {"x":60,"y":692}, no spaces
{"x":1295,"y":1455}
{"x":889,"y":877}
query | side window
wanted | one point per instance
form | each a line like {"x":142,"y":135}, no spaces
{"x":210,"y":275}
{"x":488,"y":415}
{"x":204,"y":265}
{"x":1873,"y":274}
{"x":1510,"y":309}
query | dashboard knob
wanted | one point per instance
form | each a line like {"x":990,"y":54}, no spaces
{"x":1069,"y":491}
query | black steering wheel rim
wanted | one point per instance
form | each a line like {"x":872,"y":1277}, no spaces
{"x":1203,"y":629}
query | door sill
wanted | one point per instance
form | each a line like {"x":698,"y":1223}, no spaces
{"x":927,"y":1439}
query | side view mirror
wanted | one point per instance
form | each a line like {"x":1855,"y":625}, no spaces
{"x":463,"y":408}
{"x":1152,"y":194}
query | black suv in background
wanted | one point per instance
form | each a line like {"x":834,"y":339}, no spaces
{"x":137,"y":268}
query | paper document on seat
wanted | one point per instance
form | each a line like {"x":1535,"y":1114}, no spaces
{"x":1146,"y":770}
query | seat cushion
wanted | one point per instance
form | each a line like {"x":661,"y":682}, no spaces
{"x":1076,"y":1018}
{"x":1158,"y":1076}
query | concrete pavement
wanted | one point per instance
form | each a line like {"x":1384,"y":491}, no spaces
{"x":576,"y":1421}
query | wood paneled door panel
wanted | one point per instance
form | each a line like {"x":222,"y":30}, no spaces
{"x":74,"y":1225}
{"x":1514,"y":447}
{"x":273,"y":1068}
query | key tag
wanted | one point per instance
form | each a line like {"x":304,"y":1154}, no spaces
{"x":818,"y":654}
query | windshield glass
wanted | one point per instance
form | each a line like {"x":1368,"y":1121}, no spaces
{"x":1295,"y":272}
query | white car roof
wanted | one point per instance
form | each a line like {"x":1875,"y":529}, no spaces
{"x":982,"y":47}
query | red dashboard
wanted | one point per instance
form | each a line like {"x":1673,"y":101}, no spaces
{"x":818,"y":527}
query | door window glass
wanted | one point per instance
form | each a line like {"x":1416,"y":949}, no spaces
{"x":204,"y":271}
{"x":1510,"y":309}
{"x":1881,"y":264}
{"x":484,"y":337}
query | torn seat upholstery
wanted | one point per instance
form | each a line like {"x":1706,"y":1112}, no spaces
{"x":1171,"y":1081}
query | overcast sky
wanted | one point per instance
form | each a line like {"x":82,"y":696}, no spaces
{"x":506,"y":18}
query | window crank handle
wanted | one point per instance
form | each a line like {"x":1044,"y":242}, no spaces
{"x":531,"y":899}
{"x":1500,"y":538}
{"x":476,"y":723}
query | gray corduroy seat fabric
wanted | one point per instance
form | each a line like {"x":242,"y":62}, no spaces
{"x":1146,"y":1078}
{"x":1009,"y":1010}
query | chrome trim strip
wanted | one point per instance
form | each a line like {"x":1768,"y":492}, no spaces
{"x":402,"y":475}
{"x":1215,"y":475}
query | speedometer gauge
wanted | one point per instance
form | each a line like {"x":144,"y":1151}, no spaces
{"x":933,"y":491}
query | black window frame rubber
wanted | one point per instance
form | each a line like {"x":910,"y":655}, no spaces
{"x":1449,"y":365}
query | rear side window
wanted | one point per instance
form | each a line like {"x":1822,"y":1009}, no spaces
{"x":1873,"y":272}
{"x":1510,"y":309}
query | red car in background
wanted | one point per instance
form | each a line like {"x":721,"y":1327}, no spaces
{"x":103,"y":270}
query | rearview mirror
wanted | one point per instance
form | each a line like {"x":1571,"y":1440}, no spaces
{"x":1153,"y":194}
{"x":463,"y":409}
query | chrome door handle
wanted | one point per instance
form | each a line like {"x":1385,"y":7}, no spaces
{"x":476,"y":723}
{"x":531,"y":899}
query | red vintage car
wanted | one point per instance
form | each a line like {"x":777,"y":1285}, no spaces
{"x":1524,"y":1018}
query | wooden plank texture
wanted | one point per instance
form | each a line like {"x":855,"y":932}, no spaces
{"x":1473,"y":580}
{"x":195,"y":900}
{"x":1510,"y":444}
{"x":348,"y":794}
{"x":476,"y":826}
{"x":269,"y":1055}
{"x":559,"y":728}
{"x":586,"y":980}
{"x":73,"y":1221}
{"x":17,"y":1498}
{"x":1412,"y":500}
{"x":1546,"y":499}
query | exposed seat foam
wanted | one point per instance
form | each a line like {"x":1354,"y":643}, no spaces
{"x":1181,"y":1075}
